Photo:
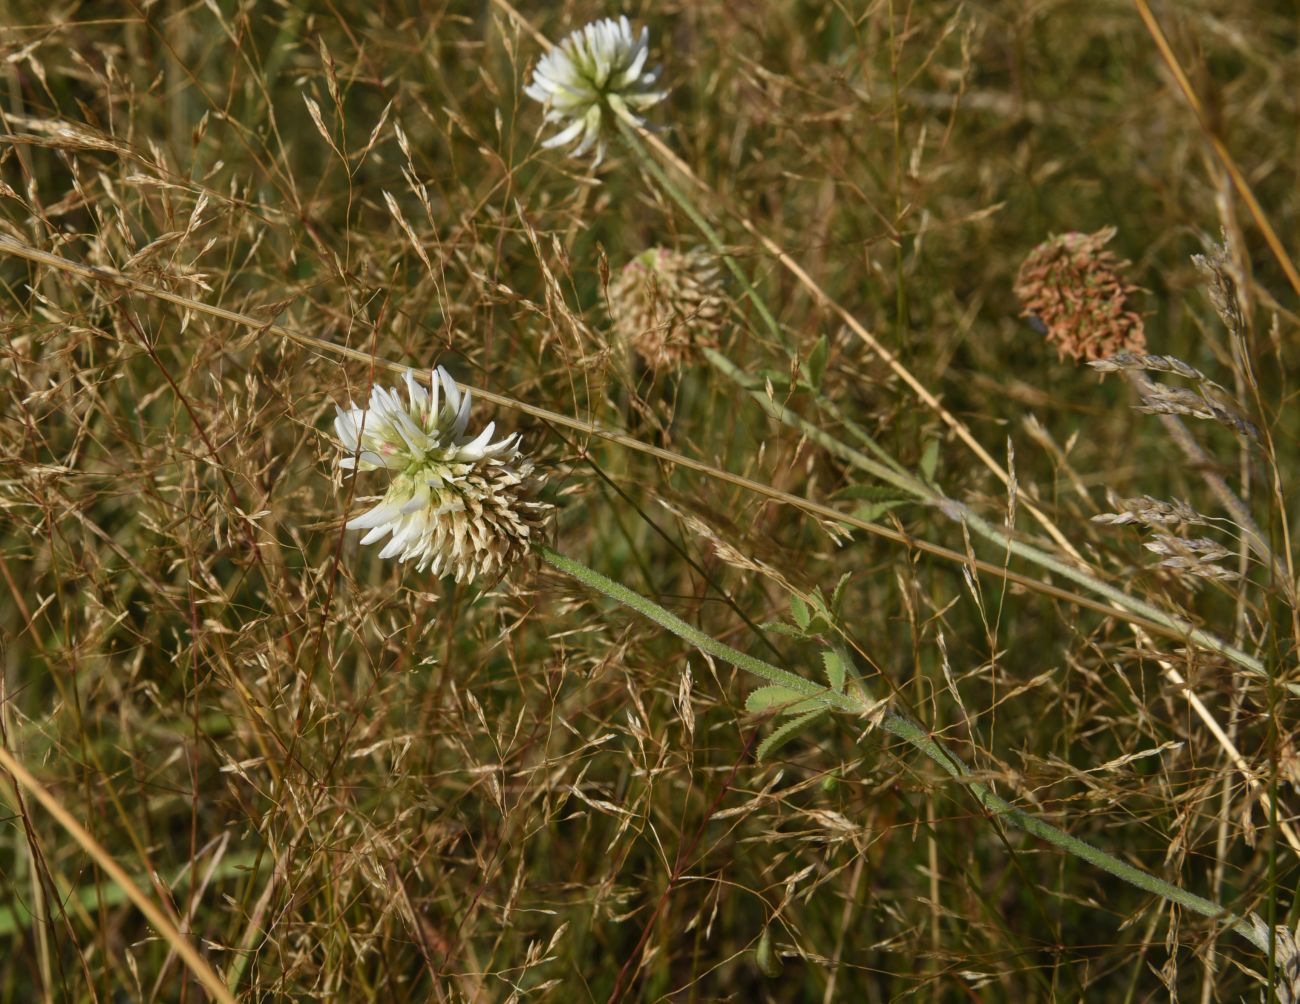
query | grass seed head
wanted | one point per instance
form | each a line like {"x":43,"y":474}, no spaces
{"x":1216,"y":266}
{"x":1136,"y":363}
{"x":1151,"y":512}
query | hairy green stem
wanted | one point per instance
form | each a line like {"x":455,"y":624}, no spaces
{"x":911,"y":733}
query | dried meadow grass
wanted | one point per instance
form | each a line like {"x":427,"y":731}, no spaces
{"x":345,"y":780}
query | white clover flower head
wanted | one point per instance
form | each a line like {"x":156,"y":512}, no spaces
{"x":456,"y":504}
{"x":598,"y":68}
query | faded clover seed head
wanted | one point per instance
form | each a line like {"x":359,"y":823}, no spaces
{"x":1080,"y":295}
{"x":596,"y":69}
{"x":457,"y":504}
{"x":664,"y":303}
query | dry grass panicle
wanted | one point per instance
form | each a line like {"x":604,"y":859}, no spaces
{"x":1137,"y":362}
{"x":1152,"y":512}
{"x":1158,"y":399}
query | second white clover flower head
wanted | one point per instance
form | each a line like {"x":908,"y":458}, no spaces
{"x":598,"y":68}
{"x":456,"y":504}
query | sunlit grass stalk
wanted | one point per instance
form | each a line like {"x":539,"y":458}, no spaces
{"x":156,"y":915}
{"x":910,"y":732}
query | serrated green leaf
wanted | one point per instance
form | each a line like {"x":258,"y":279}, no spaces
{"x":874,"y":510}
{"x":837,"y":597}
{"x":817,"y":361}
{"x":782,"y":700}
{"x":765,"y":698}
{"x":835,"y":669}
{"x":821,"y":621}
{"x":799,"y":610}
{"x":784,"y":733}
{"x":930,"y":460}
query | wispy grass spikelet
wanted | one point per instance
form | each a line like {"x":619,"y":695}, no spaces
{"x":1080,"y":295}
{"x":1216,"y":266}
{"x":1151,"y":512}
{"x":1202,"y":548}
{"x":1131,"y":362}
{"x":1160,"y":400}
{"x":1286,"y":975}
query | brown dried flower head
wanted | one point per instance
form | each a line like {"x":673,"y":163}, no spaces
{"x":664,"y":303}
{"x":1079,"y":293}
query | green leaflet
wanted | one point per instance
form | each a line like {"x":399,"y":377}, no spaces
{"x":836,"y":670}
{"x":781,"y":699}
{"x":782,"y":734}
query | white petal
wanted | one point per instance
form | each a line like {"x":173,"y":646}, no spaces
{"x":449,"y":385}
{"x":565,"y":137}
{"x":385,"y":512}
{"x":462,"y":419}
{"x":392,"y":548}
{"x":420,"y":500}
{"x":347,"y":426}
{"x":592,"y":123}
{"x":474,"y":450}
{"x":376,"y":534}
{"x":634,"y":70}
{"x":370,"y":459}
